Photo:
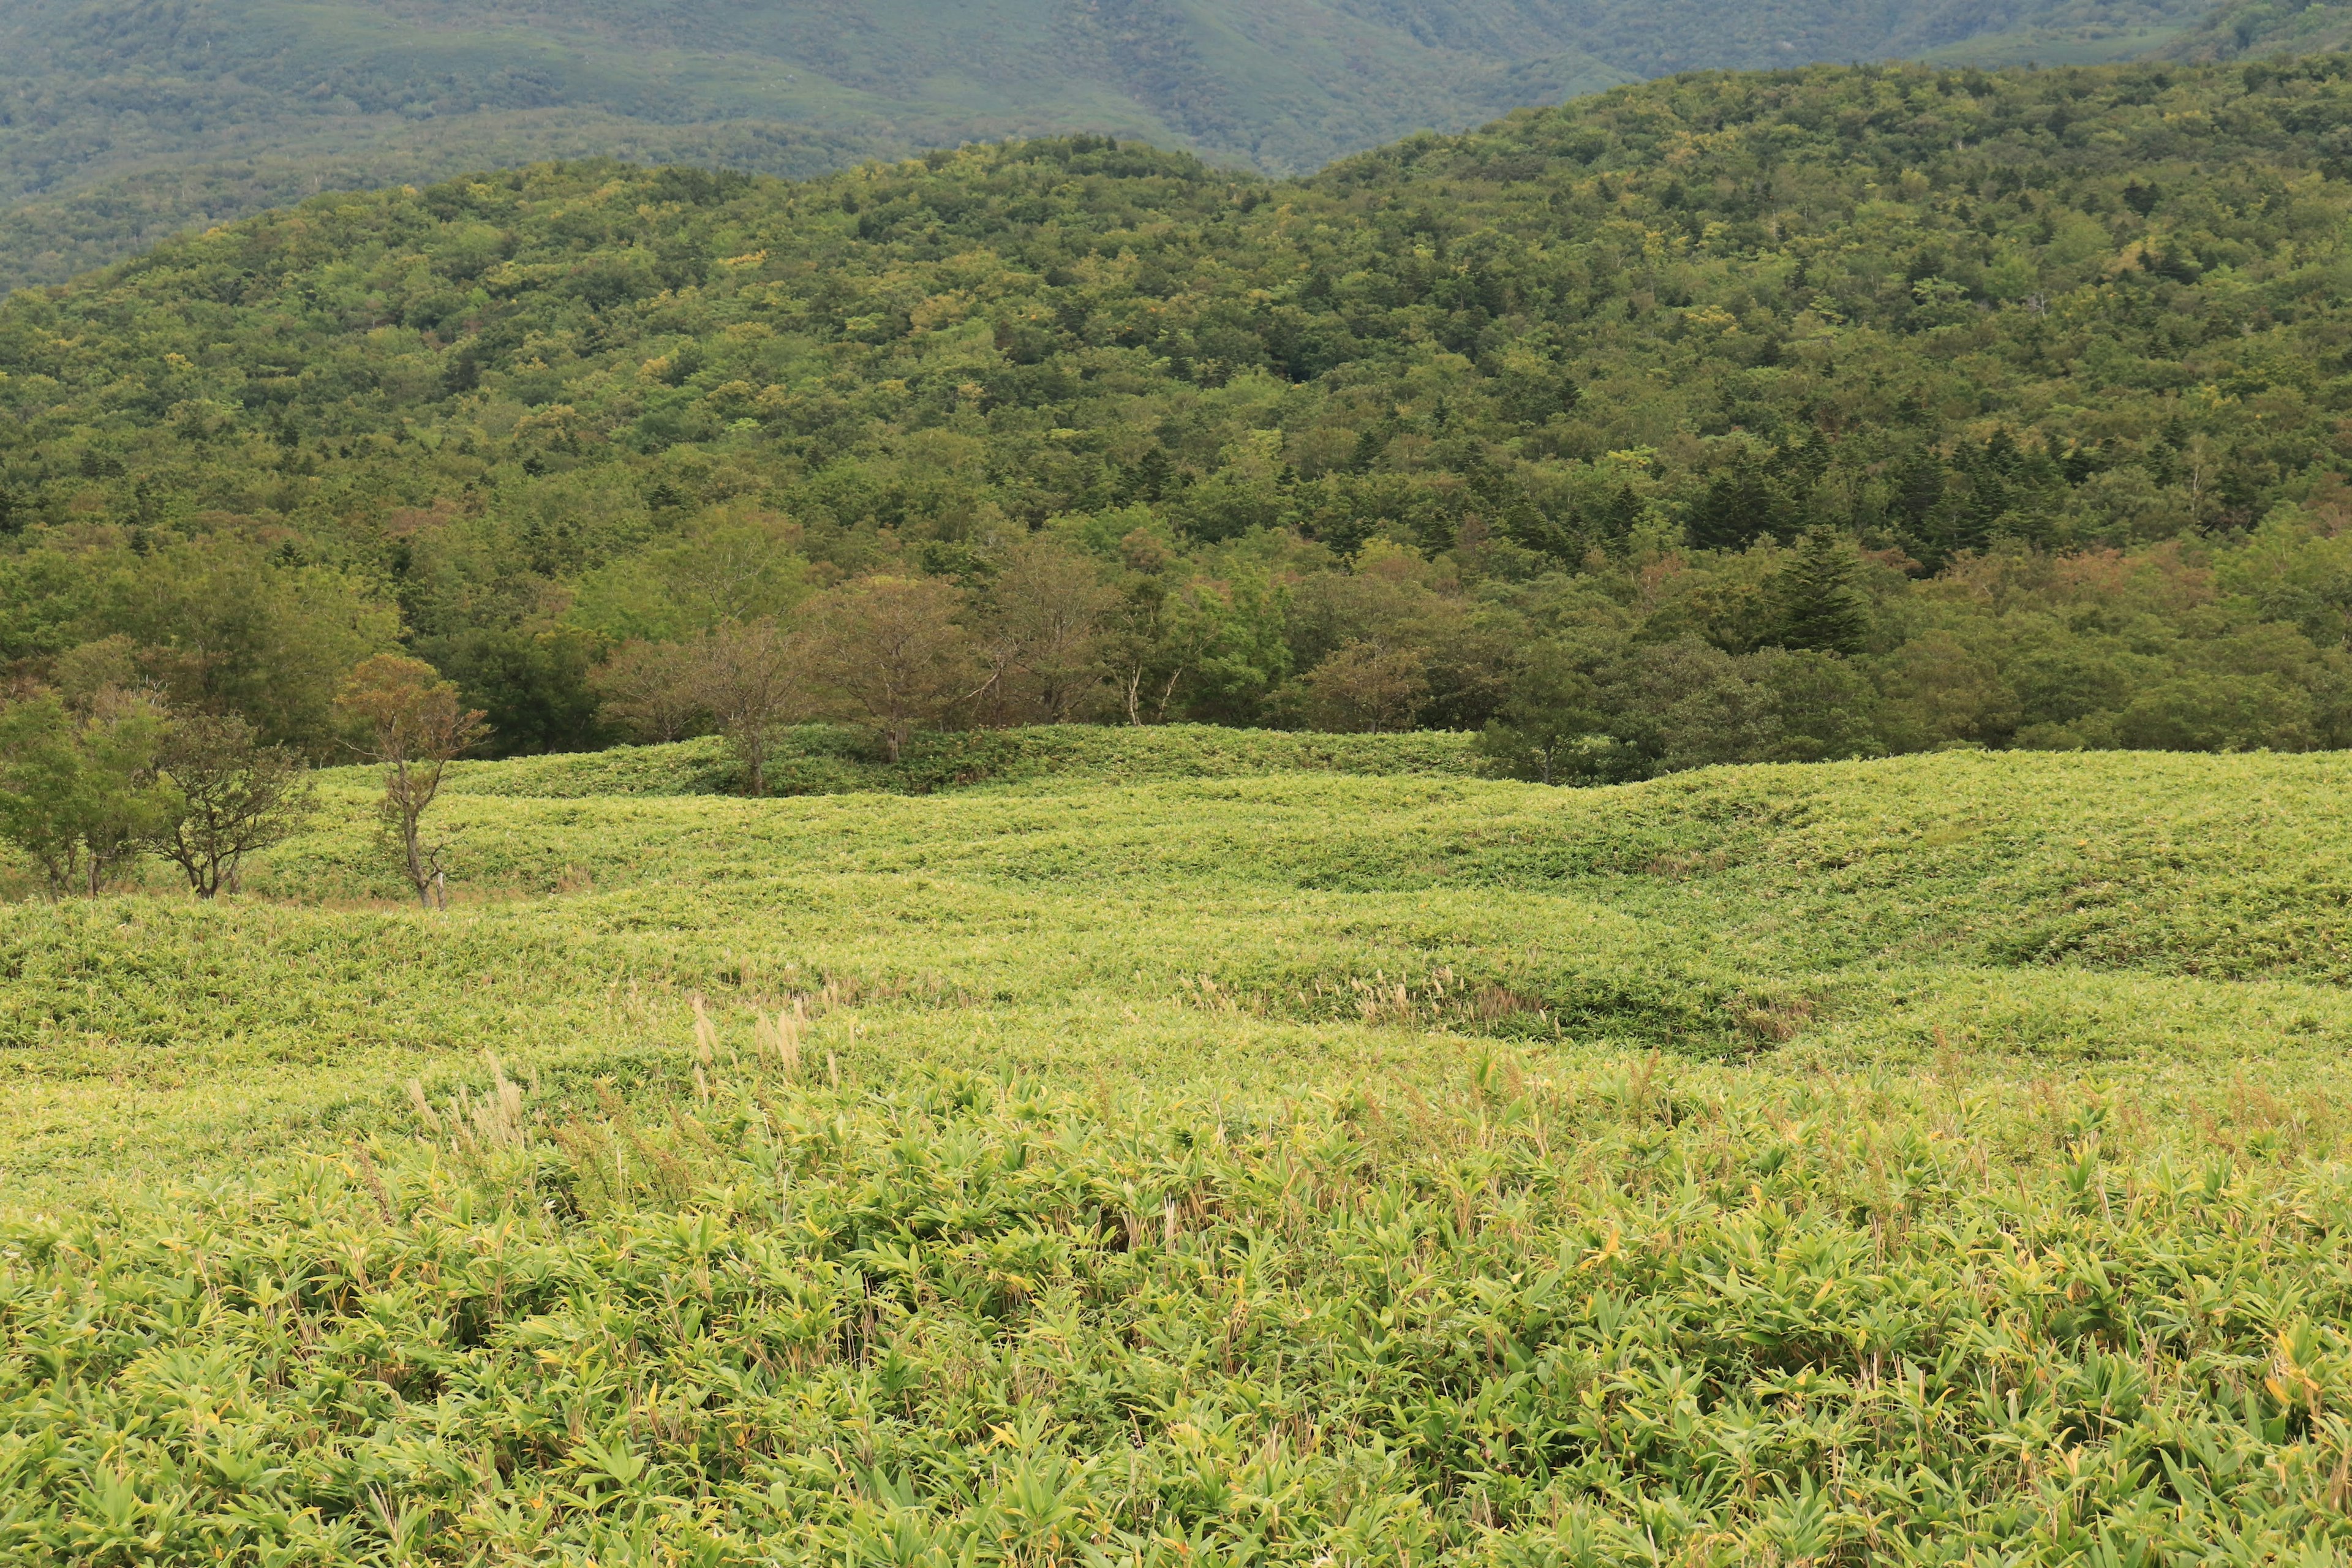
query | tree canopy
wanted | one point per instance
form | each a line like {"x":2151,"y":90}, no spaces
{"x":1866,"y":408}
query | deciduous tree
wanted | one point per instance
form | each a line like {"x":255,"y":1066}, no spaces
{"x":411,"y":721}
{"x":750,"y":677}
{"x":1364,"y":687}
{"x":78,"y":790}
{"x":1042,"y":638}
{"x":230,"y":796}
{"x":650,"y":693}
{"x":1549,"y":710}
{"x":893,"y":653}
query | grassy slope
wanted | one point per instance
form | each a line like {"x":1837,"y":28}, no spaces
{"x":1389,"y":1166}
{"x":820,"y":760}
{"x":2164,"y":912}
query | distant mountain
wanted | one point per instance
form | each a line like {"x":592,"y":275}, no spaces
{"x":123,"y":121}
{"x":2256,"y":27}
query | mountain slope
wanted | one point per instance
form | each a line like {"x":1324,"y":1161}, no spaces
{"x":138,"y":118}
{"x":128,"y":119}
{"x":1625,"y":385}
{"x":2256,"y":27}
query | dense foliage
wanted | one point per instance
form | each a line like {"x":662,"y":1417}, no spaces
{"x":130,"y":120}
{"x":1793,"y":416}
{"x":1249,"y":1168}
{"x":126,"y":120}
{"x":2262,"y":27}
{"x":1586,"y":1321}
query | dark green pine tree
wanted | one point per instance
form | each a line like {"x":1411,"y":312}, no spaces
{"x":1821,"y":608}
{"x":1737,"y":509}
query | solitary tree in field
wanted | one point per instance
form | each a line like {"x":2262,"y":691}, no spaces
{"x":411,"y":721}
{"x":893,"y":653}
{"x":232,"y":795}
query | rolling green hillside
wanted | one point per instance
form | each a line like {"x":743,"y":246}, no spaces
{"x":2130,"y":908}
{"x":1734,"y":417}
{"x":154,"y":114}
{"x":128,"y":119}
{"x":1874,"y":1160}
{"x":2251,"y":28}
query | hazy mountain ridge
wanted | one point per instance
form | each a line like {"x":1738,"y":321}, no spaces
{"x":2256,"y":27}
{"x":130,"y":120}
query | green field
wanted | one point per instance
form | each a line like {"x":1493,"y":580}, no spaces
{"x":1080,"y":1146}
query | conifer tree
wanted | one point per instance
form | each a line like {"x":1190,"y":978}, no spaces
{"x":1821,"y":608}
{"x":1737,"y":509}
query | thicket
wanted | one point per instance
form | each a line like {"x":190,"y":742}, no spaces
{"x":1591,"y":1320}
{"x":1813,"y":414}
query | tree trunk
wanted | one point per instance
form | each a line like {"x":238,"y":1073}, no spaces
{"x":418,"y":877}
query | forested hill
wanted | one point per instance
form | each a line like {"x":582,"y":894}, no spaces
{"x":124,"y":120}
{"x":2255,"y":29}
{"x":1816,"y":413}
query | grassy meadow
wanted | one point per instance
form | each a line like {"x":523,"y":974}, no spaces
{"x":1079,"y":1146}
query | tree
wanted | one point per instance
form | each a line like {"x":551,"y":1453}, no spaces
{"x":1821,"y":609}
{"x":1223,"y":640}
{"x":649,"y":692}
{"x":1363,"y":686}
{"x":531,"y":683}
{"x":892,"y":652}
{"x":1687,"y":704}
{"x":1043,"y":638}
{"x":728,"y":567}
{"x":1740,"y":507}
{"x":232,"y":795}
{"x":411,"y":722}
{"x":1826,"y":708}
{"x":744,"y":678}
{"x":1549,"y":712}
{"x":225,"y":626}
{"x":78,"y":790}
{"x":1226,"y":637}
{"x":749,"y":677}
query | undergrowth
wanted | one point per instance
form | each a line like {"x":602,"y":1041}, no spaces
{"x":1935,"y":1160}
{"x":818,"y":759}
{"x":1614,"y":1317}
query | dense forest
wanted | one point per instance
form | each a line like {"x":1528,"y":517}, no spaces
{"x":2252,"y":29}
{"x":127,"y":120}
{"x":1824,"y":412}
